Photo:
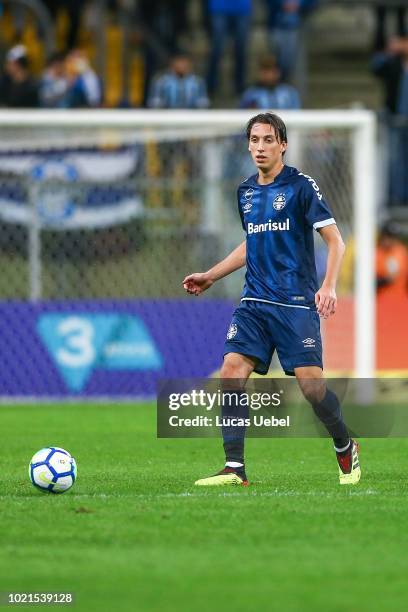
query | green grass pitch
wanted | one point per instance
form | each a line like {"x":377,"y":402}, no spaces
{"x":134,"y":533}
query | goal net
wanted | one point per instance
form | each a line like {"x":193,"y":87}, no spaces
{"x":104,"y":213}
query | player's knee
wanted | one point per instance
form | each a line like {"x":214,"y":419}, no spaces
{"x":313,"y":389}
{"x":234,"y":368}
{"x":231,"y":370}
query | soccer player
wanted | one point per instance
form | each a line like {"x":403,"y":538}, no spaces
{"x":281,"y":302}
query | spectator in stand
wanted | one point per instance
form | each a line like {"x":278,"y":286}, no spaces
{"x":54,"y":83}
{"x":269,"y":92}
{"x":84,"y":87}
{"x":391,"y":65}
{"x":382,"y":11}
{"x":391,"y":263}
{"x":160,"y":23}
{"x":18,"y":89}
{"x":74,"y":9}
{"x":179,"y":87}
{"x":285,"y":18}
{"x":229,"y":16}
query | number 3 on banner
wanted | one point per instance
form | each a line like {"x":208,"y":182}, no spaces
{"x":78,"y":335}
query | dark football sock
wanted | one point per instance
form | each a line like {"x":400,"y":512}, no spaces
{"x":345,"y":450}
{"x":329,"y":413}
{"x":233,"y":436}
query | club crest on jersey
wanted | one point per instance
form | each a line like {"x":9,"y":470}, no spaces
{"x":279,"y":202}
{"x":232,"y":331}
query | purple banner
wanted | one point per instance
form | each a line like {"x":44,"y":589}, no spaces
{"x":108,"y":348}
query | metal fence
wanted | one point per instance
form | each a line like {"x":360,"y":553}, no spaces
{"x":127,"y":212}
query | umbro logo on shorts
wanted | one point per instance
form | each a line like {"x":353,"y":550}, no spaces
{"x":309,"y":342}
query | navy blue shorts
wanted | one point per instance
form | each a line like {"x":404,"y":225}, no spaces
{"x":258,"y":328}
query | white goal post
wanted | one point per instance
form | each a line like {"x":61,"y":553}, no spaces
{"x":359,"y":124}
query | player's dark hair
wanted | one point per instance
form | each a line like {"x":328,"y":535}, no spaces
{"x":269,"y":119}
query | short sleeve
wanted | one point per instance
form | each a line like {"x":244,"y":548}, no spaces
{"x":317,"y":211}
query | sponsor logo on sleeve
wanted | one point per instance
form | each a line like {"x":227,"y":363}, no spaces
{"x":313,"y":184}
{"x":248,"y":200}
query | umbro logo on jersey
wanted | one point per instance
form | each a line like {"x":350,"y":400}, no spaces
{"x":309,"y":342}
{"x":279,"y":202}
{"x":248,"y":204}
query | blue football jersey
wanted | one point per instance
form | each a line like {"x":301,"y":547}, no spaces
{"x":279,"y":220}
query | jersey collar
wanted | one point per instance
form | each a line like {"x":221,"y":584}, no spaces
{"x":283,"y":174}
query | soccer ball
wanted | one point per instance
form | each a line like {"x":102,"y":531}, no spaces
{"x":53,"y":469}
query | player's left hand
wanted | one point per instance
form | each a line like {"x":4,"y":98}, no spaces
{"x":326,"y":301}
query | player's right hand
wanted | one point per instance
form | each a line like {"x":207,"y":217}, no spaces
{"x":197,"y":283}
